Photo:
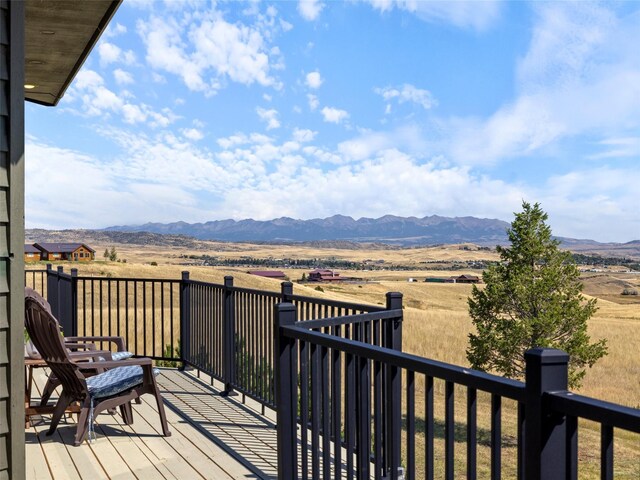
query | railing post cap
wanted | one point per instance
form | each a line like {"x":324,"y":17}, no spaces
{"x":60,"y":268}
{"x":185,"y":275}
{"x":228,"y":280}
{"x":49,"y":266}
{"x":546,"y":356}
{"x":285,"y":307}
{"x":394,"y":295}
{"x":74,"y":272}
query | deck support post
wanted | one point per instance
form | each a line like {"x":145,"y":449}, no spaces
{"x":393,"y":390}
{"x":286,"y":290}
{"x":545,"y":431}
{"x":228,"y":337}
{"x":286,"y":373}
{"x":185,"y":310}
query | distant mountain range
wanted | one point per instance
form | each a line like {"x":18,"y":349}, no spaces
{"x":334,"y":232}
{"x":388,"y":229}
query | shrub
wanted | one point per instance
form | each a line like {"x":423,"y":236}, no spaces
{"x":630,"y":291}
{"x":319,"y":288}
{"x":154,"y":264}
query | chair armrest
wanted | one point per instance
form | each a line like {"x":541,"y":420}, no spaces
{"x":118,"y":341}
{"x":91,"y":354}
{"x":80,"y":346}
{"x":143,"y":362}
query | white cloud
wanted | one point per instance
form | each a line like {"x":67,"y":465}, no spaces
{"x":114,"y":30}
{"x":408,"y":93}
{"x":468,"y":14}
{"x":310,"y":9}
{"x":110,"y":53}
{"x":97,"y":100}
{"x":597,"y":203}
{"x":108,"y":198}
{"x":161,"y":178}
{"x":313,"y":80}
{"x":192,"y":134}
{"x":303,"y":135}
{"x":313,"y":101}
{"x":213,"y":50}
{"x":618,"y":148}
{"x":580,"y":76}
{"x":334,"y":115}
{"x":270,"y":117}
{"x":122,"y":77}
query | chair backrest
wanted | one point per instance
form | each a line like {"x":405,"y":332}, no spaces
{"x":31,"y":293}
{"x":44,"y":332}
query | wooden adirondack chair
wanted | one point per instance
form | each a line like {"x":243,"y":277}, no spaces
{"x":78,"y":344}
{"x":125,"y":380}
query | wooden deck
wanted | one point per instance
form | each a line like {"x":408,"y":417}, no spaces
{"x":213,"y":437}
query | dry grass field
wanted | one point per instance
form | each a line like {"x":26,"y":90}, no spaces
{"x":436,"y":326}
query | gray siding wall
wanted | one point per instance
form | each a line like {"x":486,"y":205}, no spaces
{"x":11,"y":240}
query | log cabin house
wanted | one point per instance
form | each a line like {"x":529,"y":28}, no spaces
{"x":76,"y":252}
{"x":31,"y":254}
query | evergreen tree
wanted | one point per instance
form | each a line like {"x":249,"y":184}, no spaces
{"x":106,"y":253}
{"x":113,"y":255}
{"x":532,"y":298}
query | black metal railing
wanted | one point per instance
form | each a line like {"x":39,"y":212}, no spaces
{"x":344,"y":392}
{"x":222,"y":330}
{"x":344,"y":397}
{"x":36,"y":279}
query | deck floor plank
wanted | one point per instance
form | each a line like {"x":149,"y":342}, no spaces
{"x":249,"y":436}
{"x":36,"y":466}
{"x":204,"y":465}
{"x":213,"y":437}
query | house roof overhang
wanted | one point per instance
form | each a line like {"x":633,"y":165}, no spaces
{"x":58,"y":38}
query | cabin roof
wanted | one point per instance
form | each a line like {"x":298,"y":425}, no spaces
{"x":61,"y":247}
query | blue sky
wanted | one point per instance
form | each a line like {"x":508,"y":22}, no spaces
{"x":201,"y":111}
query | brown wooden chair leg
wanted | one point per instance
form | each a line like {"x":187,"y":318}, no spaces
{"x":48,"y":389}
{"x":127,"y":413}
{"x":163,"y":417}
{"x":58,"y":411}
{"x":83,"y":422}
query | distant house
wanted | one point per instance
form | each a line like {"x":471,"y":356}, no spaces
{"x":467,"y":279}
{"x":31,"y":254}
{"x":323,"y":275}
{"x":440,"y":280}
{"x":275,"y":274}
{"x":75,"y":252}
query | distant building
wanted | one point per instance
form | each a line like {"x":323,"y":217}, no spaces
{"x":440,"y":280}
{"x":467,"y":279}
{"x":74,"y":252}
{"x":31,"y":254}
{"x":323,"y":275}
{"x":275,"y":274}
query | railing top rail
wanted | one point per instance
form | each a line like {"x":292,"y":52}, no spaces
{"x":43,"y":270}
{"x":336,"y":303}
{"x":127,"y":279}
{"x":464,"y":376}
{"x":349,"y":319}
{"x":607,"y":413}
{"x":202,"y":283}
{"x":254,"y":291}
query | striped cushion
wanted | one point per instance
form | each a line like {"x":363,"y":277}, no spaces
{"x":121,"y":355}
{"x":115,"y":381}
{"x":115,"y":356}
